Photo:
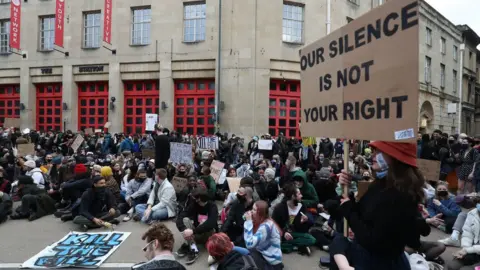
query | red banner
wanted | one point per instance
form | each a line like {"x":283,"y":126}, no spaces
{"x":107,"y":22}
{"x":59,"y":22}
{"x":15,"y":23}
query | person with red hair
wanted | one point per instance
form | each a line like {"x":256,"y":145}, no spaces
{"x":263,"y":237}
{"x":228,"y":256}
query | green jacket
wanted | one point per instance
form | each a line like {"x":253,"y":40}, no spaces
{"x":310,"y":197}
{"x":211,"y":186}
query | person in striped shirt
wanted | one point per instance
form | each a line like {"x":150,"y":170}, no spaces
{"x":263,"y":237}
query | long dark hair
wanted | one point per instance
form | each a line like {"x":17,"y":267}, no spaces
{"x":406,"y":178}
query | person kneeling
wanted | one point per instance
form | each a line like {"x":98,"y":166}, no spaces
{"x":97,"y":207}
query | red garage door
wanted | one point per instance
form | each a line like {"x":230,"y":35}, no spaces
{"x":9,"y":102}
{"x":140,"y":98}
{"x":195,"y":106}
{"x":49,"y":107}
{"x":284,"y":108}
{"x":93,"y":105}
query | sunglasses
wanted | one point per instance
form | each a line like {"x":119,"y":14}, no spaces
{"x":146,"y":247}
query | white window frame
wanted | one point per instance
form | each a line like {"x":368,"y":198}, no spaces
{"x":141,"y":25}
{"x":428,"y":69}
{"x":91,"y":30}
{"x":443,"y":45}
{"x":5,"y":37}
{"x":455,"y":80}
{"x":293,"y":15}
{"x":442,"y":75}
{"x":428,"y":36}
{"x":455,"y":52}
{"x":47,"y":33}
{"x":194,"y":21}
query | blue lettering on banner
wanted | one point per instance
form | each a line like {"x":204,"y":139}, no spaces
{"x":80,"y":250}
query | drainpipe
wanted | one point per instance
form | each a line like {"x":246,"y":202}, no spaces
{"x":219,"y":66}
{"x":329,"y":11}
{"x":460,"y":87}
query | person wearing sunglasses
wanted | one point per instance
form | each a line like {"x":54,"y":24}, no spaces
{"x":158,"y":249}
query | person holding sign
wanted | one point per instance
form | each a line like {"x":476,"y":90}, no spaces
{"x":384,"y":219}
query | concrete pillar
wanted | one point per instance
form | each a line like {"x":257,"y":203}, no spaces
{"x":115,"y":89}
{"x":167,"y":95}
{"x":70,"y":97}
{"x":28,"y":98}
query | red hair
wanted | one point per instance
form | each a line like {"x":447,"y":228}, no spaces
{"x":219,"y":245}
{"x":261,"y":216}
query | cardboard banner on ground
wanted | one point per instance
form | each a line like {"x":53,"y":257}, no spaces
{"x":265,"y":144}
{"x":77,"y":143}
{"x":179,"y":183}
{"x":216,"y":170}
{"x":79,"y":250}
{"x":25,"y":149}
{"x":233,"y":183}
{"x":361,"y":81}
{"x":11,"y":122}
{"x":429,"y":168}
{"x":181,"y":153}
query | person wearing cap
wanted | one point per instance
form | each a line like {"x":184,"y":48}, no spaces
{"x":73,"y":188}
{"x":36,"y":173}
{"x":384,"y":220}
{"x":6,"y":205}
{"x":98,"y":205}
{"x":35,"y":201}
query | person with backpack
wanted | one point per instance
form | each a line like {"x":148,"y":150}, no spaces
{"x":36,"y":173}
{"x":227,"y":256}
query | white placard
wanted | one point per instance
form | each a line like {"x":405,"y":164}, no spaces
{"x":151,"y":119}
{"x":265,"y":144}
{"x":181,"y":153}
{"x":77,"y":142}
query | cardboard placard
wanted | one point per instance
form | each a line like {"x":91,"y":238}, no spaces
{"x":179,"y":183}
{"x":108,"y":125}
{"x":181,"y":153}
{"x":77,"y":143}
{"x":429,"y":168}
{"x":98,"y":130}
{"x":361,"y":81}
{"x":88,"y":131}
{"x":216,"y":170}
{"x":148,"y":153}
{"x":25,"y":149}
{"x":11,"y":122}
{"x":265,"y":144}
{"x":362,"y":187}
{"x":233,"y":183}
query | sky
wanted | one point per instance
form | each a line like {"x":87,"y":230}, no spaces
{"x":460,"y":12}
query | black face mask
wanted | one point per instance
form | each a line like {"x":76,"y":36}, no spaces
{"x":295,"y":202}
{"x":442,"y":193}
{"x":241,"y":198}
{"x":100,"y":191}
{"x":141,"y":179}
{"x":451,"y":142}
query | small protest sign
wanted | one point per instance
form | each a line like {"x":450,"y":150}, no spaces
{"x":77,"y":143}
{"x":88,"y":131}
{"x":429,"y":168}
{"x":11,"y":122}
{"x":148,"y":153}
{"x":80,"y":250}
{"x":151,"y":119}
{"x":207,"y":142}
{"x":361,"y":81}
{"x":265,"y":144}
{"x":98,"y":130}
{"x":179,"y":183}
{"x":233,"y":183}
{"x":108,"y":125}
{"x":25,"y":149}
{"x":181,"y":153}
{"x":216,"y":170}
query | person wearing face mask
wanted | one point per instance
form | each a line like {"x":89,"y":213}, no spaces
{"x":233,"y":225}
{"x":442,"y":209}
{"x":183,"y":197}
{"x":291,"y":217}
{"x":181,"y":171}
{"x":137,"y":193}
{"x":271,"y":186}
{"x":158,"y":250}
{"x":309,"y":194}
{"x":468,"y":157}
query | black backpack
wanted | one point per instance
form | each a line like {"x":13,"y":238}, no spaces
{"x":249,"y":263}
{"x":323,"y":174}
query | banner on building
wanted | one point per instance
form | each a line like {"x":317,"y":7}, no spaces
{"x":107,"y":22}
{"x":15,"y":23}
{"x":181,"y":153}
{"x":207,"y":142}
{"x":59,"y":22}
{"x":361,"y":81}
{"x":79,"y":250}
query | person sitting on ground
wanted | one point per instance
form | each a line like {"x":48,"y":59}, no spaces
{"x":209,"y":182}
{"x":196,"y":223}
{"x":98,"y":206}
{"x":263,"y":237}
{"x":158,"y":251}
{"x":5,"y":185}
{"x":138,"y":192}
{"x":442,"y":209}
{"x":6,"y":205}
{"x":181,"y":171}
{"x":454,"y":239}
{"x":309,"y":195}
{"x":291,"y":217}
{"x":162,"y":202}
{"x":35,"y":201}
{"x":132,"y":173}
{"x":233,"y":225}
{"x":73,"y":189}
{"x":111,"y":184}
{"x":183,"y":197}
{"x":226,"y":256}
{"x":36,"y":173}
{"x":271,"y":186}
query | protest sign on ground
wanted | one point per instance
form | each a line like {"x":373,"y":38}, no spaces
{"x":181,"y":153}
{"x":216,"y":170}
{"x":361,"y":81}
{"x":429,"y":168}
{"x":179,"y":183}
{"x":79,"y":250}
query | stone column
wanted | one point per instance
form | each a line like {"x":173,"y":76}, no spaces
{"x":115,"y":89}
{"x":28,"y":98}
{"x":70,"y":97}
{"x":167,"y":95}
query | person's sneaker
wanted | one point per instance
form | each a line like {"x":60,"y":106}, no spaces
{"x":136,"y":218}
{"x":33,"y":217}
{"x":183,"y":250}
{"x":304,"y":251}
{"x":211,"y":260}
{"x":67,"y":217}
{"x":192,"y":256}
{"x":127,"y":218}
{"x":450,"y":242}
{"x":325,"y":248}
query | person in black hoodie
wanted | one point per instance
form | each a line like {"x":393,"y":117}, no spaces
{"x":162,"y":148}
{"x":35,"y":201}
{"x":98,"y":205}
{"x":227,"y":256}
{"x":196,"y":223}
{"x":6,"y":205}
{"x":233,"y":225}
{"x":183,"y":197}
{"x":73,"y":189}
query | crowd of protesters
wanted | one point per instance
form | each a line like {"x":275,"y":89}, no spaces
{"x":290,"y":197}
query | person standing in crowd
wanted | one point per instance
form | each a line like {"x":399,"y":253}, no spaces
{"x":468,"y":157}
{"x":162,"y":148}
{"x":138,"y":192}
{"x":158,"y":250}
{"x":98,"y":206}
{"x":162,"y":202}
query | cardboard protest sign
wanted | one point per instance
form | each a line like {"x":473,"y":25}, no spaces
{"x":80,"y":250}
{"x":98,"y":130}
{"x":233,"y":183}
{"x":179,"y":183}
{"x":216,"y":170}
{"x":265,"y":144}
{"x":181,"y":153}
{"x":361,"y":81}
{"x":11,"y":122}
{"x":88,"y":131}
{"x":25,"y":149}
{"x":77,"y":143}
{"x":429,"y":168}
{"x":107,"y":125}
{"x":148,"y":153}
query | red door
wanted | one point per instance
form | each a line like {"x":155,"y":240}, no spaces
{"x":195,"y":106}
{"x":9,"y":102}
{"x":284,"y":108}
{"x":49,"y":107}
{"x":140,"y":98}
{"x":93,"y":105}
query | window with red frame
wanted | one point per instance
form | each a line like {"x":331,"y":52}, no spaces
{"x":9,"y":102}
{"x":284,"y":108}
{"x":140,"y":98}
{"x":195,"y":106}
{"x":49,"y":107}
{"x":93,"y":105}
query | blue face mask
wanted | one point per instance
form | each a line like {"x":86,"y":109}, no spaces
{"x":478,"y":207}
{"x":382,"y":174}
{"x":383,"y":166}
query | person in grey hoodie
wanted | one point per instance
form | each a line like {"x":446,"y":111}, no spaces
{"x":138,"y":192}
{"x":162,"y":203}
